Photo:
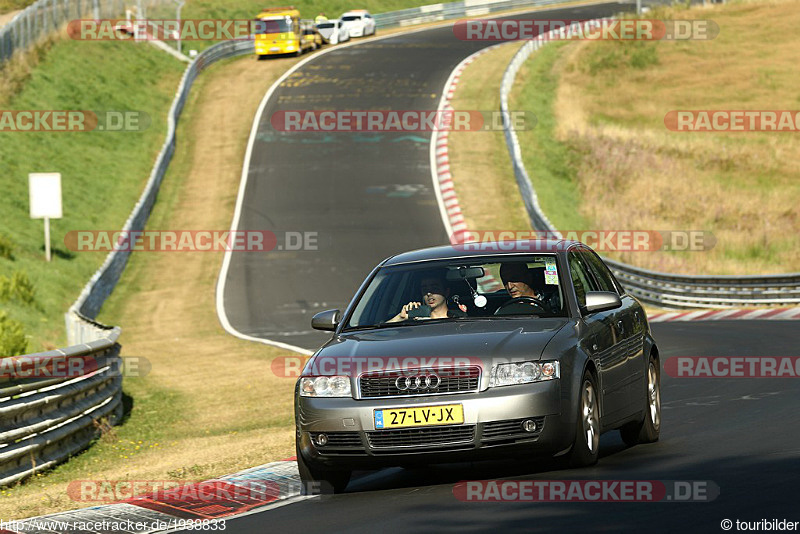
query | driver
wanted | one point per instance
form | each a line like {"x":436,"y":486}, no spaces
{"x":518,"y":281}
{"x":435,"y":293}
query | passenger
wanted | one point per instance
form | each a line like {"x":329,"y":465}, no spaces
{"x":435,"y":293}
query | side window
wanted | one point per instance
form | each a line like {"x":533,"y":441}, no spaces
{"x":600,"y":271}
{"x":581,"y":278}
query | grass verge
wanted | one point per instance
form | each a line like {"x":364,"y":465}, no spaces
{"x":479,"y":160}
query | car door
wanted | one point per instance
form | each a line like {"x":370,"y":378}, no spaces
{"x":629,"y":320}
{"x":602,"y":342}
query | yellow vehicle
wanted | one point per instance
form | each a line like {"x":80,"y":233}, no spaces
{"x":278,"y":31}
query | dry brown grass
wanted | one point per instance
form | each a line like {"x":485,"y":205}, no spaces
{"x":743,"y":187}
{"x":233,"y":412}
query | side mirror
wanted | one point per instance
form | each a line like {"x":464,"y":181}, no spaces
{"x":327,"y":320}
{"x":601,"y":301}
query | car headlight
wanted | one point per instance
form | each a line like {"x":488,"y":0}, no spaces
{"x":325,"y":386}
{"x":508,"y":374}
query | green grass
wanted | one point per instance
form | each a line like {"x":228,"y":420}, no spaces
{"x":551,"y":164}
{"x":103,"y":173}
{"x":308,"y":9}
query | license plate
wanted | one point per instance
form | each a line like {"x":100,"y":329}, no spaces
{"x":450,"y":414}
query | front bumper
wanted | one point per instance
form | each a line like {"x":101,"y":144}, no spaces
{"x":492,"y":428}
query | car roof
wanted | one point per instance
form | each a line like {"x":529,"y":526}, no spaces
{"x":356,"y":12}
{"x":475,"y":250}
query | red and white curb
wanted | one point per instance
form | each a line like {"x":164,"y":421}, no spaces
{"x":201,"y":503}
{"x":750,"y":314}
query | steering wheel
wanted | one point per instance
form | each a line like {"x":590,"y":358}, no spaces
{"x":522,"y":300}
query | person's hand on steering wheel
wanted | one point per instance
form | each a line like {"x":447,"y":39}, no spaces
{"x":534,"y":302}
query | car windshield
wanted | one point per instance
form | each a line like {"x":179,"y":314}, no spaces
{"x":273,"y":26}
{"x":461,"y":290}
{"x":350,"y":18}
{"x":325,"y":25}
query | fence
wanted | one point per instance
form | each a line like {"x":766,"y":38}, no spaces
{"x":45,"y":17}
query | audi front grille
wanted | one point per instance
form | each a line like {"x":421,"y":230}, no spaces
{"x":410,"y":382}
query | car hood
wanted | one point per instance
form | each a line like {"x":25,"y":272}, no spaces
{"x":435,"y":345}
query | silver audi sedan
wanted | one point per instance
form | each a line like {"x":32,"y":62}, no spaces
{"x":477,"y":351}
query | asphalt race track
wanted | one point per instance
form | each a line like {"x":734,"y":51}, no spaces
{"x":368,"y":196}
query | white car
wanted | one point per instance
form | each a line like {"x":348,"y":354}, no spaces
{"x":333,"y":31}
{"x":359,"y":23}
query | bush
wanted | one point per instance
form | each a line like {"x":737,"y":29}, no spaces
{"x":22,"y":288}
{"x":19,"y":287}
{"x":6,"y":247}
{"x":13,"y":341}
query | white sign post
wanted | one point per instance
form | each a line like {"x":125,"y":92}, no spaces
{"x":45,"y":196}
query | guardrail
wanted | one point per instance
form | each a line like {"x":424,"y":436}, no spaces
{"x":102,"y":283}
{"x":452,"y":10}
{"x":51,"y":402}
{"x":660,"y":289}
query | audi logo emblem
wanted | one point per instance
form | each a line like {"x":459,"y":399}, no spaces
{"x":417,"y":382}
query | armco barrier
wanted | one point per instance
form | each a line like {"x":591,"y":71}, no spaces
{"x":661,"y":289}
{"x":102,"y":283}
{"x":45,"y":418}
{"x":452,"y":10}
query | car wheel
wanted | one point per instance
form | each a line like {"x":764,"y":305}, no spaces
{"x":648,"y":429}
{"x":587,"y":432}
{"x":318,"y":480}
